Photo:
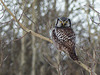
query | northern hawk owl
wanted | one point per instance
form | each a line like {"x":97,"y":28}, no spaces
{"x":63,"y":37}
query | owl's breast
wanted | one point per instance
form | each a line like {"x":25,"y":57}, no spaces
{"x":63,"y":38}
{"x":63,"y":34}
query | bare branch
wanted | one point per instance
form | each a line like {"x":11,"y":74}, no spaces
{"x":94,"y":21}
{"x":94,"y":9}
{"x":20,"y":37}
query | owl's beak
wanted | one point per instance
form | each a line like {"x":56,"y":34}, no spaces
{"x":63,"y":23}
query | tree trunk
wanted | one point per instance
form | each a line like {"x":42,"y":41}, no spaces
{"x":22,"y":56}
{"x":33,"y":72}
{"x":23,"y":48}
{"x":66,"y":14}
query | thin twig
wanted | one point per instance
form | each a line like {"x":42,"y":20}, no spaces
{"x":94,"y":21}
{"x":20,"y":37}
{"x":51,"y":63}
{"x":94,"y":9}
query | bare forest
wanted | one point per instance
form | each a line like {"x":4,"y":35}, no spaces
{"x":26,"y":47}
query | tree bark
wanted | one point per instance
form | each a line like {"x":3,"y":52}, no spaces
{"x":22,"y":55}
{"x":33,"y":72}
{"x":23,"y":49}
{"x":66,"y":14}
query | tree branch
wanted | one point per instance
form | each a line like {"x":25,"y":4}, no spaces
{"x":94,"y":9}
{"x":42,"y":37}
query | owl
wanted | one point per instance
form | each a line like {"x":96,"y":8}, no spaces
{"x":63,"y":37}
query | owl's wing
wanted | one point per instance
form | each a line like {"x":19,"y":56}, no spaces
{"x":70,"y":43}
{"x":71,"y":38}
{"x":66,"y":37}
{"x":54,"y":37}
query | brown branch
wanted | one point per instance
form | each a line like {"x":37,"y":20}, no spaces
{"x":94,"y":9}
{"x":20,"y":37}
{"x":94,"y":21}
{"x":42,"y":37}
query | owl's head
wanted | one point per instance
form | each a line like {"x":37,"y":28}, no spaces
{"x":63,"y":22}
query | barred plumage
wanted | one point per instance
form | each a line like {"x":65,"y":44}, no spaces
{"x":64,"y":38}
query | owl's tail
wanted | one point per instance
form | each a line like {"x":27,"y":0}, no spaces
{"x":73,"y":55}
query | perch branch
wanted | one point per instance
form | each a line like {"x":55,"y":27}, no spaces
{"x":42,"y":37}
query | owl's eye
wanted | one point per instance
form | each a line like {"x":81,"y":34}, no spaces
{"x":66,"y":21}
{"x":60,"y":21}
{"x":67,"y":24}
